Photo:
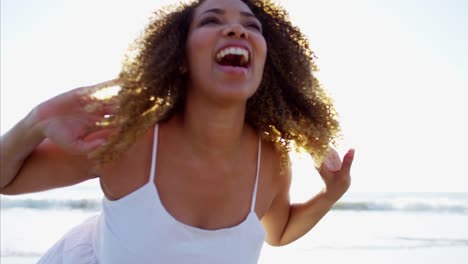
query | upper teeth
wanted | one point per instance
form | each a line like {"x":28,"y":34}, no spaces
{"x":233,"y":51}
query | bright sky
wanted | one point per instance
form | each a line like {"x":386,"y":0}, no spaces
{"x":397,"y":70}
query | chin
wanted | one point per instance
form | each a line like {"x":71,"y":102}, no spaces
{"x":224,"y":91}
{"x":235,"y":93}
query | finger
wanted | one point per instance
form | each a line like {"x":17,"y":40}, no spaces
{"x":86,"y":146}
{"x":332,"y":161}
{"x":347,"y":162}
{"x":88,"y":90}
{"x":109,"y":83}
{"x":100,"y":128}
{"x":325,"y":173}
{"x":92,"y":140}
{"x":98,"y":92}
{"x":100,"y":134}
{"x":90,"y":129}
{"x":103,"y":107}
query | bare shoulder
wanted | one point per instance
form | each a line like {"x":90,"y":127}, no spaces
{"x":276,"y":213}
{"x":130,"y":171}
{"x":274,"y":181}
{"x":272,"y":160}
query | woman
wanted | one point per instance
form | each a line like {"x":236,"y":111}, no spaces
{"x":192,"y":155}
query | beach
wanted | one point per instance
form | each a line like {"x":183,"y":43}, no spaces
{"x":370,"y":237}
{"x":362,"y":228}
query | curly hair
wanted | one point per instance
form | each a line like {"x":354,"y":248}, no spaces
{"x":289,"y":108}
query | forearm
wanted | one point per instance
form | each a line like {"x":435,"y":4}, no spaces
{"x":15,"y":146}
{"x":304,"y":216}
{"x":285,"y":222}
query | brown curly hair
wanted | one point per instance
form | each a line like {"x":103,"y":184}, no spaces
{"x":290,"y":106}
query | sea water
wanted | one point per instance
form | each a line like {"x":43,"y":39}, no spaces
{"x":361,"y":227}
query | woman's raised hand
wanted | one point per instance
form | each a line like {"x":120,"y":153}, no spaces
{"x":71,"y":119}
{"x":336,"y":174}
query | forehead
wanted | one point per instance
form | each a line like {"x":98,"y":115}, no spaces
{"x":235,"y":5}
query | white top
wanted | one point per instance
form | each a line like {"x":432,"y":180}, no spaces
{"x":138,"y":229}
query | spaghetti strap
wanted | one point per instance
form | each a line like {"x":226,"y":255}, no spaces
{"x":154,"y":153}
{"x":254,"y":196}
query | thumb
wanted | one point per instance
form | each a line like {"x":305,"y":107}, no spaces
{"x":347,"y":162}
{"x":332,"y":161}
{"x":85,"y":146}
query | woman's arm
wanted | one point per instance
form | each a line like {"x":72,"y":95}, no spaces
{"x":46,"y":167}
{"x":285,"y":223}
{"x":47,"y":149}
{"x":15,"y":147}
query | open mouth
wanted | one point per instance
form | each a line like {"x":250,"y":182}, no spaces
{"x":234,"y":57}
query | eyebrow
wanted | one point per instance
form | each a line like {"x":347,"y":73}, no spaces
{"x":221,"y":12}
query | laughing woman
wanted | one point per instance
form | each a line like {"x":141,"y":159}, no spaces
{"x":192,"y":154}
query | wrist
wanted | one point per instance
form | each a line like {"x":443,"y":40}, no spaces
{"x":31,"y":126}
{"x":329,"y":196}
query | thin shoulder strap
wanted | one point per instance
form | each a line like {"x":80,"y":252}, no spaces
{"x":154,"y":153}
{"x":254,"y":196}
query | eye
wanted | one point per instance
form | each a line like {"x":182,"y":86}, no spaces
{"x":254,"y":26}
{"x":210,"y":20}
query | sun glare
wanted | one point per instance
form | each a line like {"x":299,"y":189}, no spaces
{"x":106,"y":93}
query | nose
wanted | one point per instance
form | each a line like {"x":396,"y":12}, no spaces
{"x":235,"y":30}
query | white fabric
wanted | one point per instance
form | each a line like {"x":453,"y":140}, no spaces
{"x":138,"y":229}
{"x":77,"y":246}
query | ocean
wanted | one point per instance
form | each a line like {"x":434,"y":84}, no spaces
{"x":361,"y":228}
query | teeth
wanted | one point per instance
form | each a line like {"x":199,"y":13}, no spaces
{"x":233,"y":51}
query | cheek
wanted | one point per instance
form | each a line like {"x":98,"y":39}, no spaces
{"x":198,"y":47}
{"x":190,"y":50}
{"x":262,"y":50}
{"x":193,"y":44}
{"x":265,"y":52}
{"x":260,"y":46}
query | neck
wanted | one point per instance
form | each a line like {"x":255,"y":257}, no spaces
{"x":213,"y":129}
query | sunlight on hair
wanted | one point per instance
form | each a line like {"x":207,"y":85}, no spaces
{"x":306,"y":179}
{"x":106,"y":93}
